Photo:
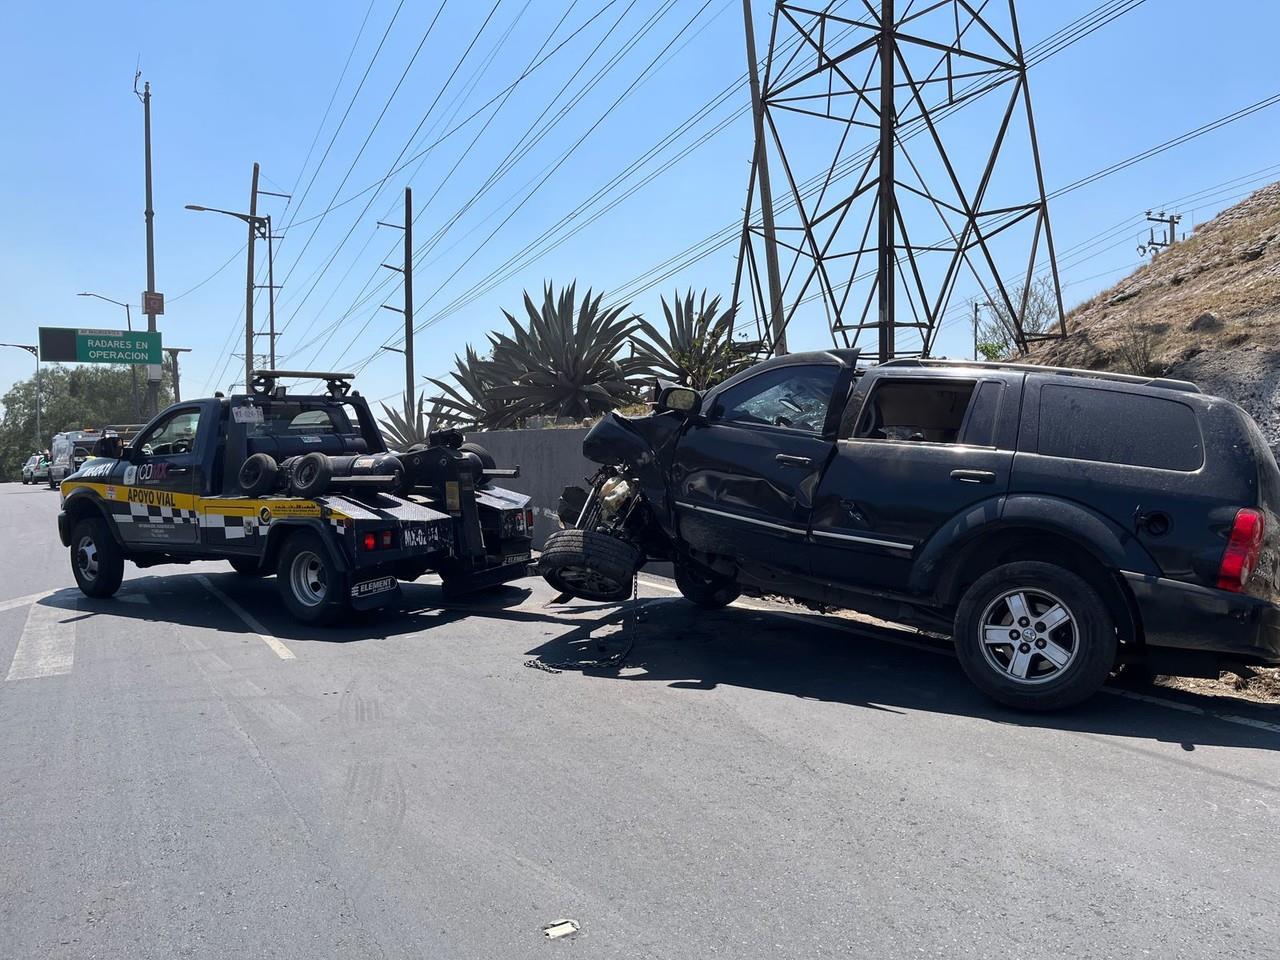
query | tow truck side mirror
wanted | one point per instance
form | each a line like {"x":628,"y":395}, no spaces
{"x":110,"y":447}
{"x":680,"y":399}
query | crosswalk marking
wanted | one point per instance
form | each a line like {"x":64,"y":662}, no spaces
{"x":277,"y":646}
{"x":47,"y":647}
{"x":23,"y":601}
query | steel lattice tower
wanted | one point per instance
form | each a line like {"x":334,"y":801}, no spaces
{"x":905,"y":205}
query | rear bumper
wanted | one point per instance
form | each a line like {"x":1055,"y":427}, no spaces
{"x":1189,"y":617}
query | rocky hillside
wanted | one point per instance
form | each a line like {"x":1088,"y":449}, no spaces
{"x":1206,"y":309}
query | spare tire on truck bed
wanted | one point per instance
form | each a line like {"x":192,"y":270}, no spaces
{"x":589,"y":565}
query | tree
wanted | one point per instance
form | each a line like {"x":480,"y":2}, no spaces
{"x":698,"y":349}
{"x":71,"y":398}
{"x":468,"y":401}
{"x":997,"y":333}
{"x":413,"y":424}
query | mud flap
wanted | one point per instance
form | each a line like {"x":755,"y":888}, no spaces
{"x":374,"y":593}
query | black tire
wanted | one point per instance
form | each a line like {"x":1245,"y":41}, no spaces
{"x":590,"y":565}
{"x":96,"y":559}
{"x":310,"y":584}
{"x":247,"y":566}
{"x":708,"y":590}
{"x":481,"y":454}
{"x":258,"y":475}
{"x":1061,"y":661}
{"x":311,"y":475}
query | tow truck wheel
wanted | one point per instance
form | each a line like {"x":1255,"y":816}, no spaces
{"x":708,"y":590}
{"x":310,"y":583}
{"x":96,"y":559}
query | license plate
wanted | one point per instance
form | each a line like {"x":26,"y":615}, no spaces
{"x":370,"y":587}
{"x":515,"y":558}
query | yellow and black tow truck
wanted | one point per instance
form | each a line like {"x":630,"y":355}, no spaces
{"x":302,"y":486}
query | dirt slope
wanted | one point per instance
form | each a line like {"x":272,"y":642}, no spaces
{"x":1206,"y":309}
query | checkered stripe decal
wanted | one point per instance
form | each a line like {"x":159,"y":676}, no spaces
{"x":230,"y":527}
{"x":145,"y":513}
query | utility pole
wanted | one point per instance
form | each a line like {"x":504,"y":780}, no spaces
{"x":173,"y":358}
{"x":149,"y":302}
{"x":975,"y":330}
{"x":1169,"y":234}
{"x":407,"y":272}
{"x":885,"y":254}
{"x":777,"y":320}
{"x":248,"y":287}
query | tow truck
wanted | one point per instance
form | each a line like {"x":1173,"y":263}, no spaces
{"x":302,"y":486}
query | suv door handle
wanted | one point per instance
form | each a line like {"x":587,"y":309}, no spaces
{"x":973,"y":476}
{"x":787,"y":460}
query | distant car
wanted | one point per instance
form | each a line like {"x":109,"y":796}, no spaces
{"x":1054,"y":522}
{"x":36,"y":469}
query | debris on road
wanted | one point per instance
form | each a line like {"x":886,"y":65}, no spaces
{"x":557,"y":929}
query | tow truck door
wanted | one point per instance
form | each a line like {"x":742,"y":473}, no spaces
{"x":160,"y":480}
{"x":744,"y":477}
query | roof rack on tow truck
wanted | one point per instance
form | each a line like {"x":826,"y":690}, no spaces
{"x":1166,"y":383}
{"x":263,"y":382}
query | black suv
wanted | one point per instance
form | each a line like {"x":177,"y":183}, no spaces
{"x":1055,"y":522}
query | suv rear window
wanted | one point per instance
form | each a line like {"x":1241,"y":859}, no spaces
{"x":1111,"y":426}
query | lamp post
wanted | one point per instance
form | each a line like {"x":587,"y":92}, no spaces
{"x":259,"y":228}
{"x":35,"y":352}
{"x":133,"y":369}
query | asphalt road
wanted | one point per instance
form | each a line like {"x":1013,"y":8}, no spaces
{"x":186,"y":773}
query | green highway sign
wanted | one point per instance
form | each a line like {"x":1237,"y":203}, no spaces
{"x":69,"y":345}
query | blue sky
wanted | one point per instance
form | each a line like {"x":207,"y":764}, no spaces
{"x":238,"y":82}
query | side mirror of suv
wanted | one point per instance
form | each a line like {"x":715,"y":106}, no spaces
{"x":684,"y":400}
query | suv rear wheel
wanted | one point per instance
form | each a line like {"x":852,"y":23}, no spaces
{"x":1035,"y":636}
{"x":310,"y":583}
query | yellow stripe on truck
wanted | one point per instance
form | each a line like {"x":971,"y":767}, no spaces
{"x":233,"y":506}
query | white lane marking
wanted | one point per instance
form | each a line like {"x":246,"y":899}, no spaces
{"x":24,"y":601}
{"x":277,"y":646}
{"x":1113,"y":691}
{"x":47,"y":647}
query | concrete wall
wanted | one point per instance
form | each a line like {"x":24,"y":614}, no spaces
{"x":549,"y":461}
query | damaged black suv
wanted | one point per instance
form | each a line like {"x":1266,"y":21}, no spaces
{"x":1056,"y":523}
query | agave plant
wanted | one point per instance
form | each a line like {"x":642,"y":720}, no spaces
{"x":469,"y":400}
{"x":565,"y":363}
{"x":412,"y":425}
{"x":698,"y":349}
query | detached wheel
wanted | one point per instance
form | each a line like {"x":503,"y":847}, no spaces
{"x":708,"y":590}
{"x":311,"y":475}
{"x":589,"y":565}
{"x":258,"y":474}
{"x":310,"y":584}
{"x":96,"y":559}
{"x":247,"y":566}
{"x":1035,"y":636}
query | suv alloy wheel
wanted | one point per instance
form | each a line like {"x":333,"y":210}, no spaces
{"x":1035,"y":636}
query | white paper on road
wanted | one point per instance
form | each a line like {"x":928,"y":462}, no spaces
{"x":47,"y":647}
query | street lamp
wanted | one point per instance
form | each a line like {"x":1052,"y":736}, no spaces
{"x":35,"y":352}
{"x":133,"y":369}
{"x":259,"y":227}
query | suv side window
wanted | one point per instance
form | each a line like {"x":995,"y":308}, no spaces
{"x":1112,"y":426}
{"x":794,"y":397}
{"x":175,"y":435}
{"x":929,"y":411}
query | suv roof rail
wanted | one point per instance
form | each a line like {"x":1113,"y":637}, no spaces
{"x":1165,"y":383}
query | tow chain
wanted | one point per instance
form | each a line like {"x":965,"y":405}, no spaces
{"x":630,"y":633}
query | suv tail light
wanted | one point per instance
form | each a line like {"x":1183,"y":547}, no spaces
{"x":1241,"y":555}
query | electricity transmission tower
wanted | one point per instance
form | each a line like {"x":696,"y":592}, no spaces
{"x":883,"y":205}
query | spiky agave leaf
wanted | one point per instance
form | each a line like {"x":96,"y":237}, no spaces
{"x":412,"y":425}
{"x":564,"y":362}
{"x":698,"y":349}
{"x":469,"y":400}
